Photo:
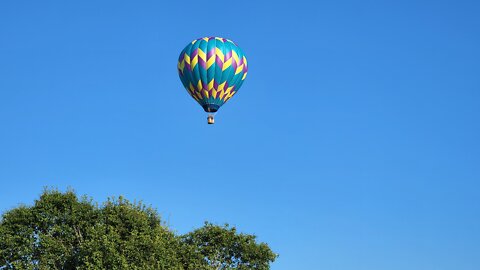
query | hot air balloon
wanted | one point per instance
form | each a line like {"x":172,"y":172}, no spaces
{"x":212,"y":70}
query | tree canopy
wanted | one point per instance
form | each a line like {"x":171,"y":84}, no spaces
{"x":63,"y":231}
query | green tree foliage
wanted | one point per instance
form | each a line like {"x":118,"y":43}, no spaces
{"x":64,"y":232}
{"x":222,"y":248}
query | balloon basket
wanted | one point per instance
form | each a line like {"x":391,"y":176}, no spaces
{"x":210,"y":119}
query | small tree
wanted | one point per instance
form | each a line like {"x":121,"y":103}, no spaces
{"x":222,"y":248}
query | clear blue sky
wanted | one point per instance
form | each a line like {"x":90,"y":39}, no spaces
{"x":354,"y":142}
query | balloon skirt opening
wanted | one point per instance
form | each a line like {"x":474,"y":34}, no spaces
{"x":210,"y":108}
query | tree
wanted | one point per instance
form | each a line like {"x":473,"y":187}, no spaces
{"x":222,"y":248}
{"x":48,"y":235}
{"x":62,"y":231}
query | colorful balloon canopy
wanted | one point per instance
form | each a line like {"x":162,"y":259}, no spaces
{"x":212,"y":69}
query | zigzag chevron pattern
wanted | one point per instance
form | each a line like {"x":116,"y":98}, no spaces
{"x":212,"y":69}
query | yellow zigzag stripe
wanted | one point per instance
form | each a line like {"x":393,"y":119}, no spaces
{"x":202,"y":55}
{"x":221,"y":86}
{"x":227,"y":64}
{"x":181,"y":65}
{"x":194,"y":61}
{"x":228,"y":93}
{"x":219,"y":53}
{"x":239,"y":69}
{"x":210,"y":61}
{"x":235,"y":56}
{"x":228,"y":97}
{"x":210,"y":85}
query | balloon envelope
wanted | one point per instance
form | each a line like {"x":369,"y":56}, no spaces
{"x":212,"y":69}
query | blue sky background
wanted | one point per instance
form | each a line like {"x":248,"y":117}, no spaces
{"x":353,"y":144}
